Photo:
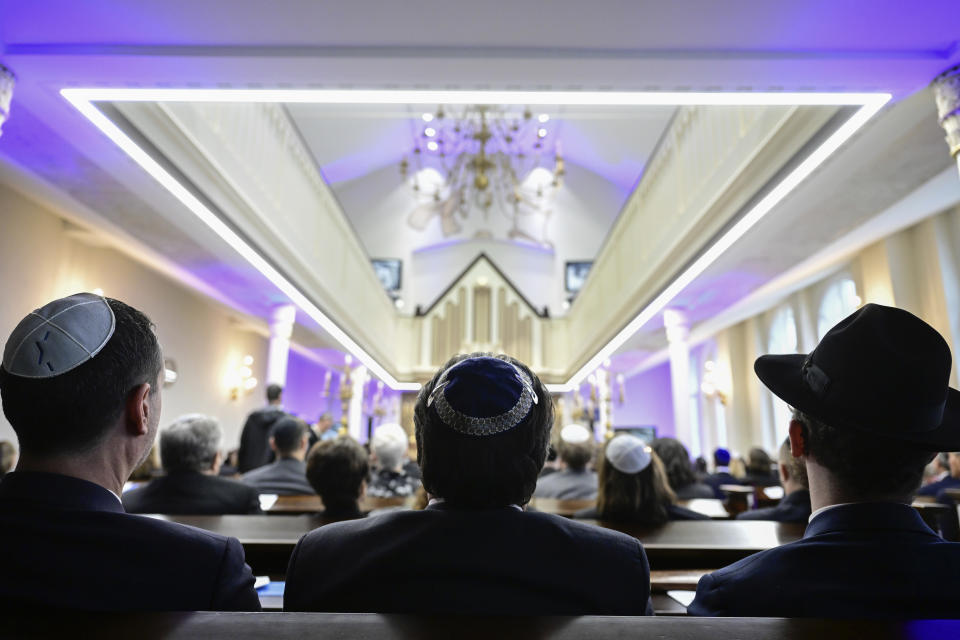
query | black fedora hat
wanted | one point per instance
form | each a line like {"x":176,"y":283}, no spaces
{"x":881,"y":370}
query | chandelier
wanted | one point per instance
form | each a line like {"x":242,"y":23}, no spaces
{"x":482,"y":159}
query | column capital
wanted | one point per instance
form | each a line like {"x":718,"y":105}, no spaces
{"x":946,"y":90}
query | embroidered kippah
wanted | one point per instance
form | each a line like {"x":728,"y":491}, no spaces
{"x":482,"y":396}
{"x":574,"y":434}
{"x":59,"y":336}
{"x":628,"y":454}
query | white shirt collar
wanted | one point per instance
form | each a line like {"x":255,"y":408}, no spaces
{"x":827,"y":508}
{"x":434,"y":501}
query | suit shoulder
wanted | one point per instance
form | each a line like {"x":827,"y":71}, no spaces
{"x":587,"y":534}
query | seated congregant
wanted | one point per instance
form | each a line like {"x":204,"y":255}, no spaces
{"x":795,"y":506}
{"x":337,"y":470}
{"x":680,"y":473}
{"x":872,"y":405}
{"x":759,"y":471}
{"x":634,"y":486}
{"x":574,"y":481}
{"x":323,"y":429}
{"x":8,"y":457}
{"x":86,"y":414}
{"x":389,"y":479}
{"x":190,"y":455}
{"x":287,"y":475}
{"x":482,"y":427}
{"x":950,"y":481}
{"x":721,"y":473}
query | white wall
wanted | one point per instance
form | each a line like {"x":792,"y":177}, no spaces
{"x":379,"y":204}
{"x":40,"y":261}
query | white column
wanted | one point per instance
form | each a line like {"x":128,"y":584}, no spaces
{"x":281,"y":328}
{"x":356,"y":425}
{"x":677,"y":332}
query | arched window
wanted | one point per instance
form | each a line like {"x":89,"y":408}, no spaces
{"x":839,"y":300}
{"x":783,"y":339}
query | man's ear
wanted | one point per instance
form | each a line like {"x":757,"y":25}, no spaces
{"x":784,"y":473}
{"x":273,"y":444}
{"x":798,"y":441}
{"x":138,"y":410}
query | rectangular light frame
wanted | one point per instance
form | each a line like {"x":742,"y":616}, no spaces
{"x":84,"y":99}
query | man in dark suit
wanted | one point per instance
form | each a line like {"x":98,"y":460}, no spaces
{"x":81,"y":381}
{"x":287,"y":476}
{"x":872,"y":406}
{"x":795,"y":506}
{"x":255,"y":438}
{"x":721,"y":473}
{"x":482,"y":427}
{"x":190,"y":455}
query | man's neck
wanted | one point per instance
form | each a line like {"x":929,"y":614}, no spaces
{"x":826,"y":490}
{"x":90,"y":467}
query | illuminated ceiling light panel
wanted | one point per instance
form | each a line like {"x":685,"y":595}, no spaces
{"x":870,"y":103}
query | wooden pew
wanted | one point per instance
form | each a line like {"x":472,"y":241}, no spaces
{"x":269,"y":540}
{"x":738,"y":498}
{"x":370,"y":626}
{"x":707,"y":506}
{"x":307,"y":505}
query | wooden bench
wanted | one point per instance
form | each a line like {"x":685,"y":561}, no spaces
{"x":269,"y":540}
{"x":370,"y":626}
{"x":306,"y":505}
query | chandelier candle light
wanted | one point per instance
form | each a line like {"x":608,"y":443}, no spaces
{"x":481,"y":160}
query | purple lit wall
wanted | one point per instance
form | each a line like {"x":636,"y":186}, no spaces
{"x":303,"y":395}
{"x":647,"y":402}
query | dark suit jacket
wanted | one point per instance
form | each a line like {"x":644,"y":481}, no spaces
{"x":934,"y":488}
{"x":674,"y":512}
{"x":255,"y":438}
{"x":67,"y":543}
{"x":717,"y":479}
{"x":694,"y":490}
{"x":192,"y":493}
{"x":568,"y":485}
{"x":489,"y":562}
{"x":868,"y":560}
{"x":794,"y":507}
{"x":285,"y":477}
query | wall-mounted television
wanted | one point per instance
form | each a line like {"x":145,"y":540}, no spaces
{"x":389,"y":271}
{"x":575,"y":274}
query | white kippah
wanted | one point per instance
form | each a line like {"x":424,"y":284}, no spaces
{"x":628,"y":454}
{"x":390,"y":435}
{"x":574,"y":434}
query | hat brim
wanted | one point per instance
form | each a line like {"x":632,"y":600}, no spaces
{"x":782,"y":374}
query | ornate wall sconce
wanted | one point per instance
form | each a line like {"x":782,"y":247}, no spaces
{"x":239,"y":380}
{"x":709,"y":384}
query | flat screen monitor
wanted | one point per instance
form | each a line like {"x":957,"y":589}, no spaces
{"x":575,"y":274}
{"x":389,"y":271}
{"x":647,"y":434}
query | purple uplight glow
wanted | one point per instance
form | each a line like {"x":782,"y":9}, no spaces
{"x":647,"y":402}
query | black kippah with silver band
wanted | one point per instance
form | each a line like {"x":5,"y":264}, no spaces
{"x":477,"y":426}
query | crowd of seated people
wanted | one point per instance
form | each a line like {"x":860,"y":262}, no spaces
{"x":874,"y":394}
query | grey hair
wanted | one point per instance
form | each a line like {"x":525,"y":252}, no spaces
{"x":390,"y":445}
{"x":190,"y":443}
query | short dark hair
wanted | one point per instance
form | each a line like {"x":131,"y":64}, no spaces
{"x":576,"y":455}
{"x":487,"y":471}
{"x":73,"y":412}
{"x":287,"y":434}
{"x":870,"y":466}
{"x":634,"y":497}
{"x":336,"y":470}
{"x":274,"y":391}
{"x":676,"y":462}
